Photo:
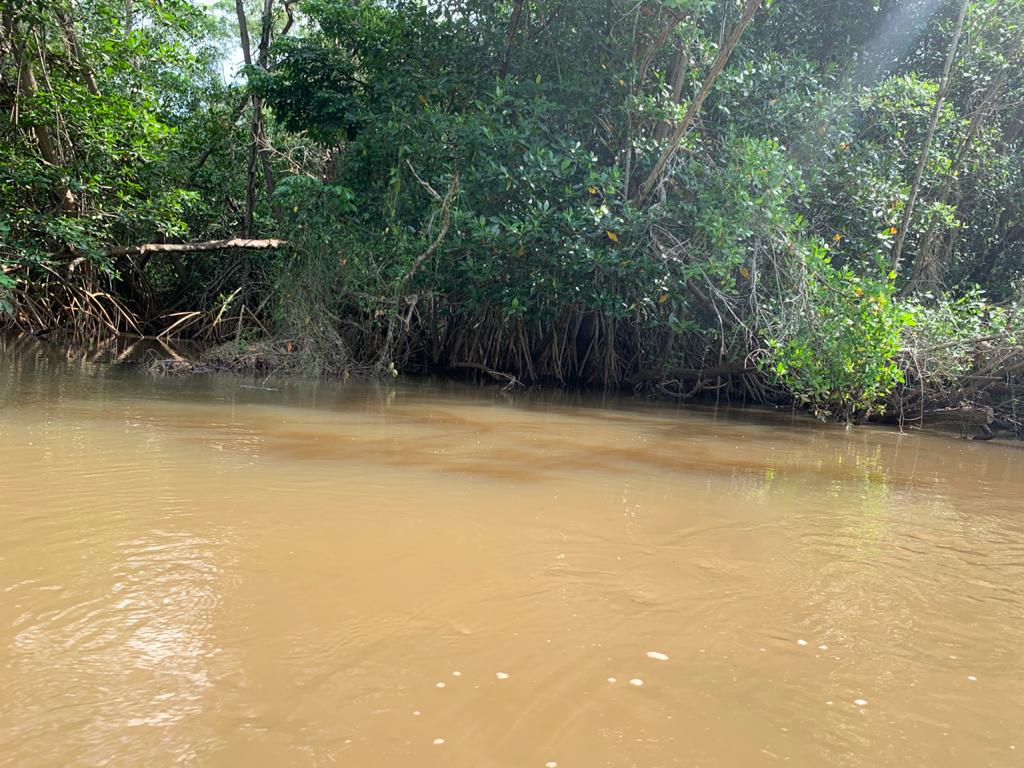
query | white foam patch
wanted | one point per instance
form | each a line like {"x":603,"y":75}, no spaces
{"x":501,"y":675}
{"x":439,"y":685}
{"x":438,"y":742}
{"x":861,"y":702}
{"x":801,"y":641}
{"x":636,"y":681}
{"x":657,"y":655}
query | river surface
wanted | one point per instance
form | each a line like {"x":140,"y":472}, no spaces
{"x":202,"y":572}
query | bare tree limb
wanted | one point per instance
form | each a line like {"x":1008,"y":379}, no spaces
{"x":209,"y":245}
{"x":673,"y":22}
{"x":68,"y":21}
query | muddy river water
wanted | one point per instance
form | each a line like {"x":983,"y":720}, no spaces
{"x":217,"y":572}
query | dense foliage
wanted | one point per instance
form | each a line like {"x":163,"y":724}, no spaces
{"x":591,"y":191}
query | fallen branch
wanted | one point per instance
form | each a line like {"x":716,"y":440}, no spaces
{"x":209,"y":245}
{"x":512,"y":381}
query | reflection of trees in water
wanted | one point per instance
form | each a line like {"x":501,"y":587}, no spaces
{"x":53,"y":356}
{"x":895,"y":558}
{"x":38,"y":370}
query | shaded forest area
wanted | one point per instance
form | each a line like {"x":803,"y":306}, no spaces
{"x":808,"y":201}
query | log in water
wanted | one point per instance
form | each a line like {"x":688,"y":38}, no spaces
{"x":197,"y":573}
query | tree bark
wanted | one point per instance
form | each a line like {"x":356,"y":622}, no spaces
{"x":924,"y":274}
{"x":262,"y":145}
{"x":659,"y":41}
{"x":1015,"y":128}
{"x":243,"y":33}
{"x":250,"y":187}
{"x":678,"y":80}
{"x":982,"y":271}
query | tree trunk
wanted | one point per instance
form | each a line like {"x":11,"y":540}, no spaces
{"x":513,"y":26}
{"x":678,"y":80}
{"x":29,"y":86}
{"x":263,"y":146}
{"x":1015,"y":128}
{"x":933,"y":121}
{"x":659,"y":41}
{"x":927,"y":266}
{"x":243,"y":33}
{"x":983,"y":270}
{"x":68,"y":22}
{"x":655,"y":176}
{"x":259,"y":149}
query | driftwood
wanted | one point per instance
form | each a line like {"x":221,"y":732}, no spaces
{"x":966,"y":417}
{"x":209,"y":245}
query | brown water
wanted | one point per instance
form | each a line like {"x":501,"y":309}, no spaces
{"x":197,"y":573}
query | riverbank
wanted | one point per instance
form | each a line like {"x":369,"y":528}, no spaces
{"x":288,"y":360}
{"x":946,"y":379}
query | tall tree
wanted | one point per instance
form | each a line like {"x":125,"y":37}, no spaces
{"x":933,"y":121}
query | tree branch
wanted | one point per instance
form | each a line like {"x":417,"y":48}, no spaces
{"x":654,"y":177}
{"x":933,"y":121}
{"x":209,"y":245}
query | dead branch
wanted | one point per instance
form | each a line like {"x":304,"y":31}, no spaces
{"x":512,"y":381}
{"x":209,"y":245}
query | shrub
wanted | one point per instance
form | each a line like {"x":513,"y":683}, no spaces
{"x":835,"y":343}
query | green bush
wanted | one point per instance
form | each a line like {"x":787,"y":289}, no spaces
{"x":836,"y":343}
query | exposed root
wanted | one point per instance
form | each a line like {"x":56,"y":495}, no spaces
{"x":325,"y":355}
{"x":975,"y":382}
{"x":511,"y":382}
